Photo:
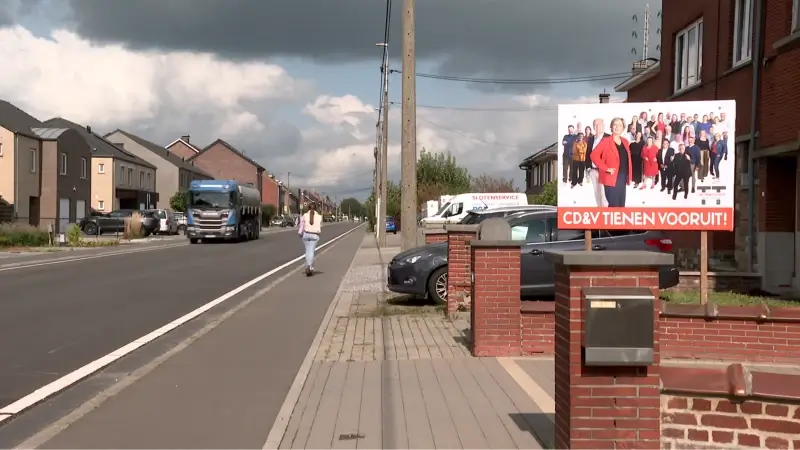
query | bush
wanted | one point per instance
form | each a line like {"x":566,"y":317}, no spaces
{"x":267,"y":213}
{"x":133,"y":227}
{"x":22,"y":235}
{"x":74,"y":235}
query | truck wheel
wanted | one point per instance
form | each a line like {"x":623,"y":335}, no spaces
{"x":193,"y":240}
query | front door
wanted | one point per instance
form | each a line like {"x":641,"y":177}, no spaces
{"x":34,"y":211}
{"x":63,"y":215}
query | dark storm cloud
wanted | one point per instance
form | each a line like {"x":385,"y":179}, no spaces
{"x":501,"y":38}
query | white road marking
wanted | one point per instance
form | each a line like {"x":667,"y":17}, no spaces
{"x":82,"y":372}
{"x":24,"y":265}
{"x":542,"y":399}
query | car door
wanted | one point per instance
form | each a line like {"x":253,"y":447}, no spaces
{"x":566,"y":241}
{"x":535,"y":233}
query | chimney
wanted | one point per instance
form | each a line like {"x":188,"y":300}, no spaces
{"x":605,"y":97}
{"x":88,"y":129}
{"x":186,"y":138}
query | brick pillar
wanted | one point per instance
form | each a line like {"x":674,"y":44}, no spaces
{"x":434,"y":236}
{"x":495,"y":315}
{"x":603,"y":407}
{"x":458,"y":267}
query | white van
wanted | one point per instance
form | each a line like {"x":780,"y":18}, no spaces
{"x":458,"y":206}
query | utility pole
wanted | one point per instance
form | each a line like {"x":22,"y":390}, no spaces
{"x":384,"y":150}
{"x":408,"y":168}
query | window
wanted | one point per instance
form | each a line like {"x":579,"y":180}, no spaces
{"x":84,"y":168}
{"x":795,"y":15}
{"x":63,"y":169}
{"x":101,"y":168}
{"x":533,"y":230}
{"x":689,"y":56}
{"x":149,"y":186}
{"x":742,"y":31}
{"x":141,"y":179}
{"x":130,"y":176}
{"x":34,"y":164}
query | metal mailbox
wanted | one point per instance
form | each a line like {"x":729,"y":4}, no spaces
{"x":618,"y":326}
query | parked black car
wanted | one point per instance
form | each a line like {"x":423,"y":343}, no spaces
{"x":423,"y":270}
{"x":114,"y":222}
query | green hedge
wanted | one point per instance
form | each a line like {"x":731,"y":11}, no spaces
{"x":20,"y":235}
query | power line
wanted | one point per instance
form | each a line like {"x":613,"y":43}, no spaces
{"x":465,"y":108}
{"x":460,"y":133}
{"x":584,"y":79}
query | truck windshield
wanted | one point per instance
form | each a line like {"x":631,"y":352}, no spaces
{"x":208,"y":199}
{"x":443,"y":209}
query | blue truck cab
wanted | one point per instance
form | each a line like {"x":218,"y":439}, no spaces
{"x":222,"y":209}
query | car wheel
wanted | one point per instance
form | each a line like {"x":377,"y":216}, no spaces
{"x":193,"y":240}
{"x":437,"y":285}
{"x":90,"y":229}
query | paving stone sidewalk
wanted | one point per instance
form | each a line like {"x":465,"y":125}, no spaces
{"x":396,"y":373}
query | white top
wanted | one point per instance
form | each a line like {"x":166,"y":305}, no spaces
{"x":316,"y":228}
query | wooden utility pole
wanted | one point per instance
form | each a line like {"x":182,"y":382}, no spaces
{"x":384,"y":167}
{"x":408,"y":156}
{"x":287,"y":209}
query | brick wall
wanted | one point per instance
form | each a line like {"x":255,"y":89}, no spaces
{"x":538,"y":328}
{"x":495,"y":313}
{"x":434,"y":236}
{"x":458,"y":266}
{"x":721,"y":281}
{"x":729,"y":406}
{"x":707,"y":422}
{"x":753,"y":334}
{"x":270,"y":192}
{"x":223,"y":164}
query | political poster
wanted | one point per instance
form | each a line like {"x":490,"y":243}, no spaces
{"x":647,"y":166}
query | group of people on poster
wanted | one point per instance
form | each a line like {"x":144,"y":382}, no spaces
{"x":670,"y":151}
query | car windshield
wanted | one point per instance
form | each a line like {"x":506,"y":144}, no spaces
{"x":208,"y":199}
{"x":471,"y":218}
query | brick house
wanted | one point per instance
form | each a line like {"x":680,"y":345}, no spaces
{"x":224,"y":162}
{"x":183,"y":147}
{"x":727,"y":50}
{"x":44,"y":171}
{"x":271,"y":192}
{"x":174,"y":173}
{"x":540,"y":169}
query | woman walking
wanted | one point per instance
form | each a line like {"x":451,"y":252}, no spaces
{"x":310,"y":228}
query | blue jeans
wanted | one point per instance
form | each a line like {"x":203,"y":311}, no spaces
{"x":310,"y":243}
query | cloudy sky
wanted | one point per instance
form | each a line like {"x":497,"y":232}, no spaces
{"x":294,"y":83}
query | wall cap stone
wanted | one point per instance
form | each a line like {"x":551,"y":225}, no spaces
{"x":495,"y":244}
{"x":433,"y":231}
{"x":634,"y":258}
{"x":735,"y":380}
{"x":458,"y":228}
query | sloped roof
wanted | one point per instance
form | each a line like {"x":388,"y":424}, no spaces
{"x":17,"y":120}
{"x":176,"y":160}
{"x":188,"y":144}
{"x":231,"y":148}
{"x":100,"y":146}
{"x":538,"y":155}
{"x":49,"y":134}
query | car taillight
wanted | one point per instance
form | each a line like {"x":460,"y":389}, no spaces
{"x":664,"y":245}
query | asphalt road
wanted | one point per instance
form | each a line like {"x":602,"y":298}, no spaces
{"x":57,"y":318}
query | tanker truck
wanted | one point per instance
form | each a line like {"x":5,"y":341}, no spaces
{"x":223,"y":210}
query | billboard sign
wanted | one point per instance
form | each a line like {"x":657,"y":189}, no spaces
{"x":647,"y":166}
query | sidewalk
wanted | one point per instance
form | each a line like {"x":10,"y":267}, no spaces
{"x":392,"y":376}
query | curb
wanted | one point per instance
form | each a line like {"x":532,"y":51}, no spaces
{"x":278,"y":430}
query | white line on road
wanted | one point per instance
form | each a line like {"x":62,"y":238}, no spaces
{"x":24,"y":265}
{"x":92,"y":367}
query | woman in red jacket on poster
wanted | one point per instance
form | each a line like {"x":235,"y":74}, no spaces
{"x":649,"y":163}
{"x":612,"y":156}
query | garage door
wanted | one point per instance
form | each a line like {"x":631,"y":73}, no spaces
{"x":63,"y":215}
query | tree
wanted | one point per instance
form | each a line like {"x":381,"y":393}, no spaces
{"x":393,"y":206}
{"x":548,"y":196}
{"x":351,"y":206}
{"x":267,"y":213}
{"x":439,"y":174}
{"x":489,"y":183}
{"x":178,"y":201}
